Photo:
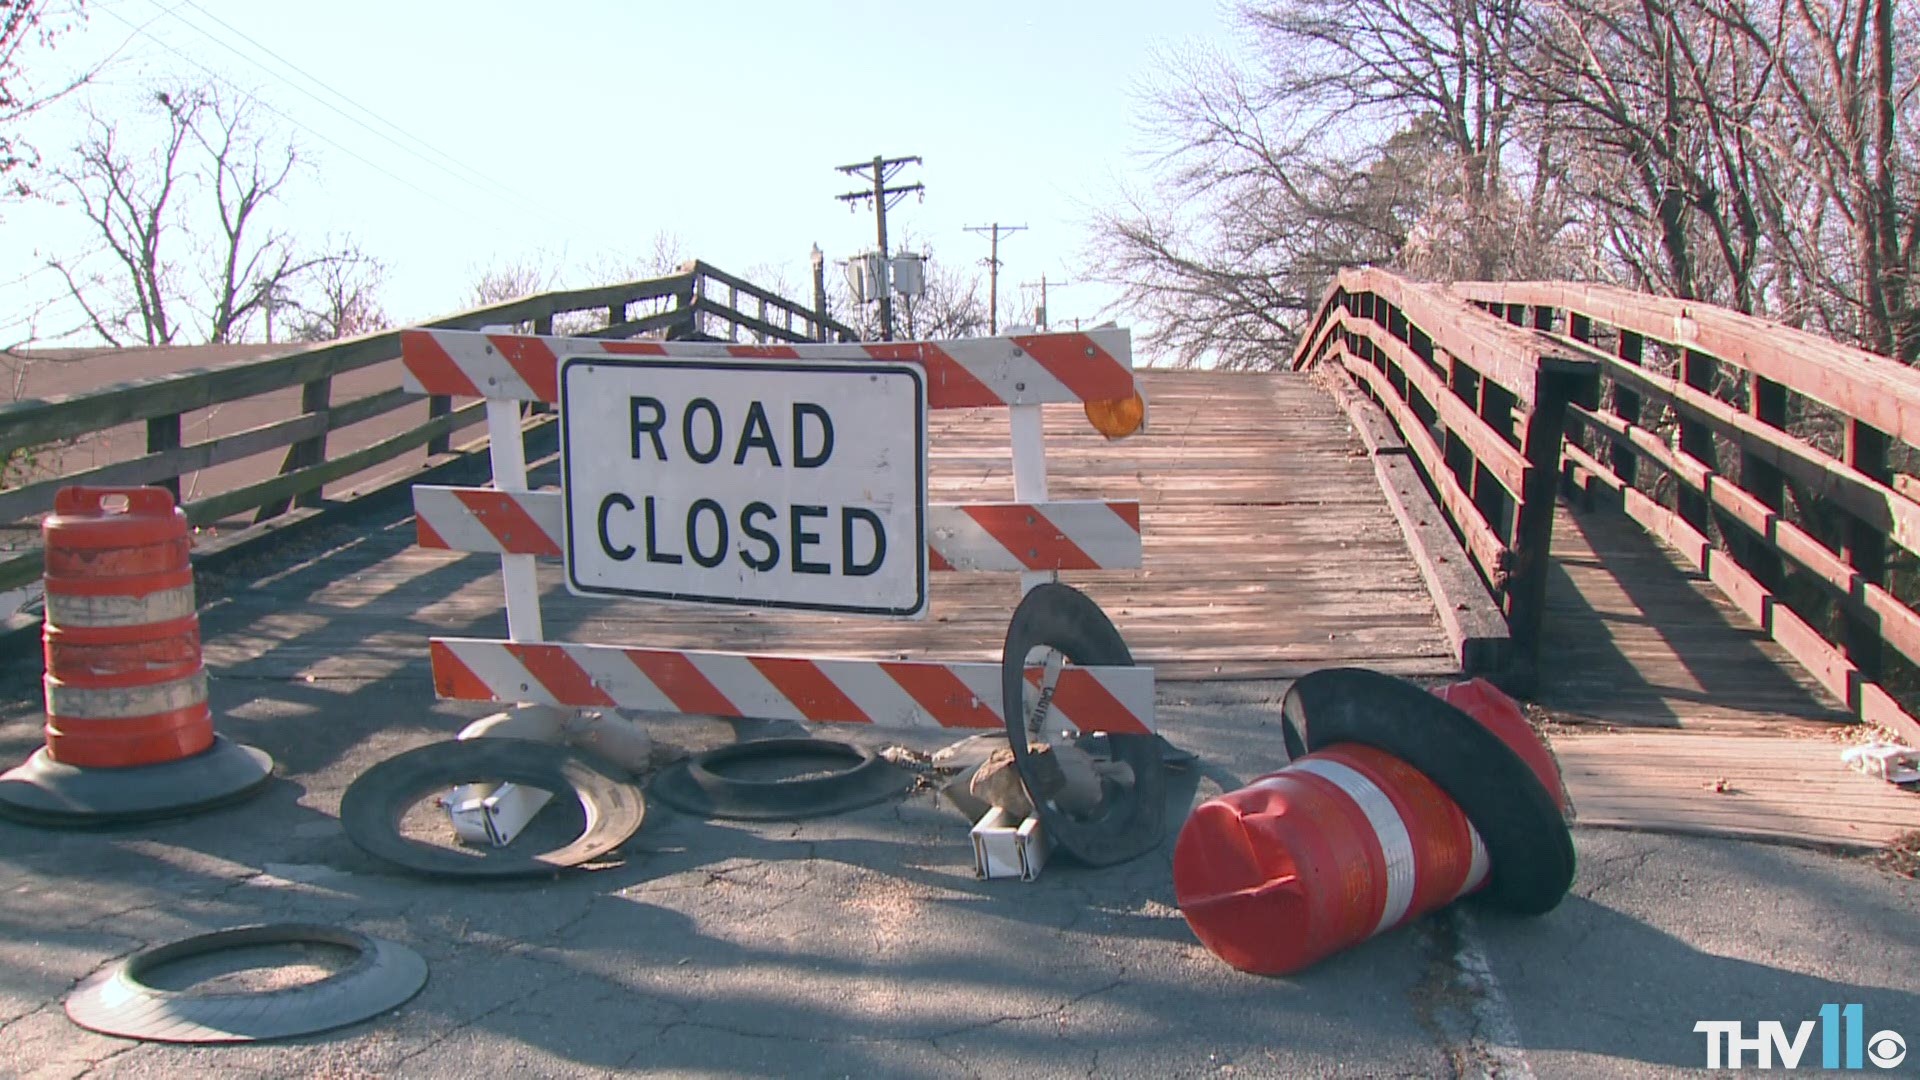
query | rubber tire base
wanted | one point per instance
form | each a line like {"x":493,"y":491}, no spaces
{"x":1064,"y":618}
{"x":373,"y":804}
{"x":46,"y":792}
{"x":693,"y":787}
{"x":114,"y":1000}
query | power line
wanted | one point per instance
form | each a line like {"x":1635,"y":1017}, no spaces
{"x":222,"y":80}
{"x":993,"y":268}
{"x":416,"y":141}
{"x":500,"y":189}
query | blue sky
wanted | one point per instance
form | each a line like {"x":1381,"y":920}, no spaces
{"x":572,"y":133}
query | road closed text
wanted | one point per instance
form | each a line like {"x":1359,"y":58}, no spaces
{"x":748,"y":483}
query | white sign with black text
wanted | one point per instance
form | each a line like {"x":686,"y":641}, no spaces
{"x":747,"y":482}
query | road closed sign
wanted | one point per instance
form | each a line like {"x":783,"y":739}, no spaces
{"x":754,"y":483}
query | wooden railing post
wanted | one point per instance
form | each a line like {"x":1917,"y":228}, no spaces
{"x":1697,"y":370}
{"x":1767,"y":402}
{"x":439,"y":405}
{"x":163,"y":433}
{"x":1496,"y":409}
{"x":1526,"y":588}
{"x":1866,"y":550}
{"x":543,"y":326}
{"x":316,"y":398}
{"x":1626,"y":406}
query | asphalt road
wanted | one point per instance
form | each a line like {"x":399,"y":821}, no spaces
{"x":863,"y":946}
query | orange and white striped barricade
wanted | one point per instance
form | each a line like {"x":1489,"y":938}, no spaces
{"x":129,"y":732}
{"x":1397,"y":803}
{"x":773,"y":476}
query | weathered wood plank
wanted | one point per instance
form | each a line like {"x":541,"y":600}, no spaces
{"x":1498,"y":456}
{"x":1510,"y":356}
{"x":1485,"y":546}
{"x":1256,"y":562}
{"x":1805,"y":644}
{"x":217,"y":507}
{"x":1877,"y":504}
{"x":35,"y":421}
{"x":1859,"y":384}
{"x":1898,"y":624}
{"x":1468,"y":613}
{"x":1780,"y":788}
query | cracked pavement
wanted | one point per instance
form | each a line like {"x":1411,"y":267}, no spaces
{"x":862,"y":945}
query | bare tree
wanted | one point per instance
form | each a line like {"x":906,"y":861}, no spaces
{"x":509,"y":280}
{"x":1664,"y":97}
{"x":1768,"y":149}
{"x":27,"y":26}
{"x":1844,"y":126}
{"x":1252,"y":215}
{"x":1446,"y":65}
{"x":1358,"y":131}
{"x":343,"y":301}
{"x":1763,"y":154}
{"x":185,"y":223}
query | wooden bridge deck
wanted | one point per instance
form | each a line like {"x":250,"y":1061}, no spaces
{"x":1680,"y":715}
{"x":1269,"y":551}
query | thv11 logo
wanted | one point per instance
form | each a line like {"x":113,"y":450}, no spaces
{"x":1841,"y":1044}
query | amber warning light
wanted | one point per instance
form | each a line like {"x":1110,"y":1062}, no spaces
{"x":1119,"y":417}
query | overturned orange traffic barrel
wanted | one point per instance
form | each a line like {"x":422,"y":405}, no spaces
{"x":129,"y":732}
{"x":1397,"y":802}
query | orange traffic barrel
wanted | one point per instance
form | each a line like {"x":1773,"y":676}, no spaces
{"x":128,"y":733}
{"x":1397,"y":803}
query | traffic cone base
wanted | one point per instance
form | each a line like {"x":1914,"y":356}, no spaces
{"x":129,"y":734}
{"x":47,"y":792}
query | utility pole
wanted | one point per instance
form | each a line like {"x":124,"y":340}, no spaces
{"x":1043,"y":318}
{"x":819,"y":294}
{"x":993,"y":268}
{"x":880,"y":170}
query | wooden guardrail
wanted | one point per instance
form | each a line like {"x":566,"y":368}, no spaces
{"x":1767,"y":456}
{"x":1481,"y":406}
{"x":698,"y":299}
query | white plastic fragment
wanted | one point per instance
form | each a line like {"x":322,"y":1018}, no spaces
{"x":1892,"y":762}
{"x":494,"y":818}
{"x":1003,"y":849}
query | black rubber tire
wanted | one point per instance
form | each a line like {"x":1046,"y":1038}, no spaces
{"x":116,"y":1000}
{"x":694,"y":786}
{"x":1528,"y":843}
{"x":1064,"y":618}
{"x":371,"y":809}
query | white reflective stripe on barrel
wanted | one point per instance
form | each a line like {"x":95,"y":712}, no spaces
{"x":89,"y":703}
{"x":66,"y":609}
{"x":1477,"y":869}
{"x":1396,"y":845}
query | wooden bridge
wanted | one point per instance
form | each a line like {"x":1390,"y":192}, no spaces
{"x":1687,"y":535}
